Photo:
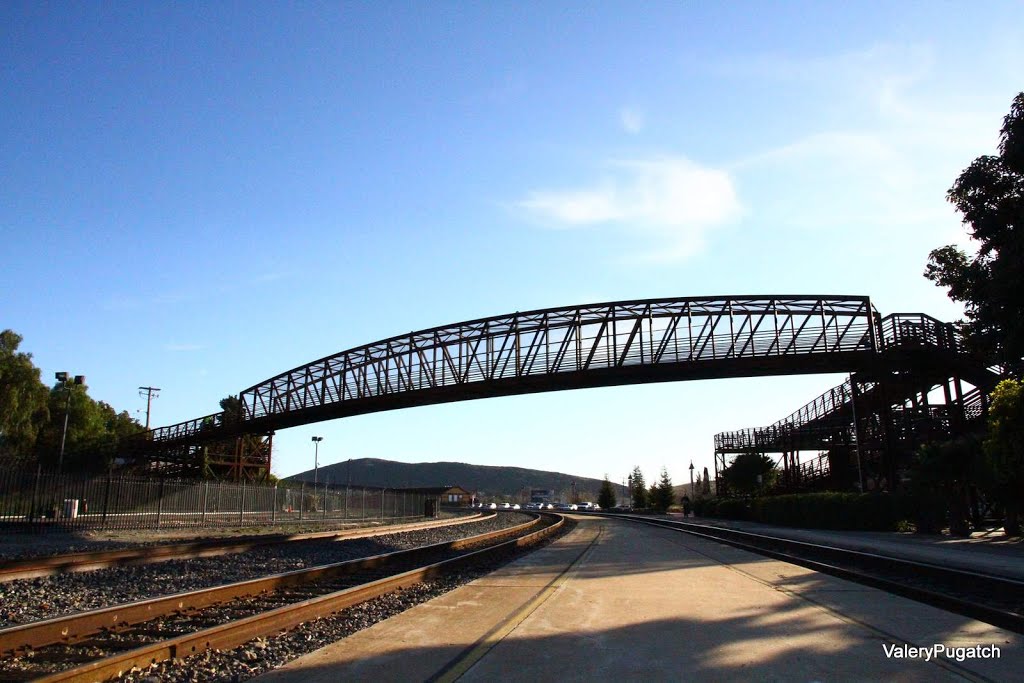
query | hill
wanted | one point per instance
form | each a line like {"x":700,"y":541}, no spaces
{"x":485,"y":480}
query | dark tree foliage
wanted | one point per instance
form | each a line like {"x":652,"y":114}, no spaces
{"x":662,"y":495}
{"x":990,"y":195}
{"x":23,"y":400}
{"x":947,"y":469}
{"x":1004,"y":451}
{"x":742,"y":474}
{"x":232,"y":407}
{"x":638,"y":488}
{"x":606,"y":498}
{"x":707,"y":483}
{"x":32,"y":418}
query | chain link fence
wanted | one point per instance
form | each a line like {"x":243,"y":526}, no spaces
{"x":41,"y":501}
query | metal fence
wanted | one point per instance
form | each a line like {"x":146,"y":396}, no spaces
{"x":41,"y":501}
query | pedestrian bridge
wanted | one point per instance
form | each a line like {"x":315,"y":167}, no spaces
{"x":594,"y":345}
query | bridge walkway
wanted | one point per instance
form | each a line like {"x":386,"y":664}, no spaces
{"x":614,"y":601}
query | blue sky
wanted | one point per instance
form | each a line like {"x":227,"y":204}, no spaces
{"x":198,"y":196}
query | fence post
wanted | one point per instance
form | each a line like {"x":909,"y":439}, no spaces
{"x":382,"y":492}
{"x":160,"y":503}
{"x":35,"y":493}
{"x":106,"y":499}
{"x":241,"y":505}
{"x":302,"y":496}
{"x":273,"y":507}
{"x":363,"y":512}
{"x":206,"y":497}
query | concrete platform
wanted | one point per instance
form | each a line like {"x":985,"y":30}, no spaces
{"x":615,"y":601}
{"x":988,"y":552}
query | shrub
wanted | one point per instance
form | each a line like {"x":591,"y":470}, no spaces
{"x":827,"y":510}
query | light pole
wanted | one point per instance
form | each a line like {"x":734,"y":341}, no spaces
{"x":693,"y":495}
{"x":316,"y":456}
{"x":66,"y":380}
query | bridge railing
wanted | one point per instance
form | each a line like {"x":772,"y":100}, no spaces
{"x":918,"y":329}
{"x":553,"y":341}
{"x":187,"y":429}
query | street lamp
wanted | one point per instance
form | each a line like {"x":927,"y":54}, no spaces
{"x":65,"y":379}
{"x":316,"y":456}
{"x":693,"y":494}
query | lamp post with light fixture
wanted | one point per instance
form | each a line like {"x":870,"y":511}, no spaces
{"x":316,"y":456}
{"x":66,"y":380}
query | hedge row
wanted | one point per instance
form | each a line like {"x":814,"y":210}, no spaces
{"x":847,"y":511}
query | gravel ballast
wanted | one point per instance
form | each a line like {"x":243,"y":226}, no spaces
{"x":27,"y":600}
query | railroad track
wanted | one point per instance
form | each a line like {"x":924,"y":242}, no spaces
{"x":103,"y":644}
{"x":33,"y":567}
{"x":996,"y":600}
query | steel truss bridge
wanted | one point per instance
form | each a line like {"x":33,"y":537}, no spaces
{"x":594,"y":345}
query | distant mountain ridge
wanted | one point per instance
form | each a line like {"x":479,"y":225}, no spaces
{"x":486,"y":480}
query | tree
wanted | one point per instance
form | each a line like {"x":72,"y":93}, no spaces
{"x":1004,"y":450}
{"x":743,"y":474}
{"x":707,"y":483}
{"x":990,"y":195}
{"x":637,"y":488}
{"x":946,"y":469}
{"x":606,"y":498}
{"x":24,"y":409}
{"x":662,"y":495}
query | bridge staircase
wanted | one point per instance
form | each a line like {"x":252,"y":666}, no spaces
{"x":864,"y":431}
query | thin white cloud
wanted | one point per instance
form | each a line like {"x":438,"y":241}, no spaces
{"x":673,"y":199}
{"x":632,"y":119}
{"x":907,"y":135}
{"x":178,"y":348}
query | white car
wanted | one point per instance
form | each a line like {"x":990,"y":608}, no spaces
{"x":492,"y":506}
{"x":515,"y":506}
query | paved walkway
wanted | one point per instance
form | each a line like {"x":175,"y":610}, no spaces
{"x":614,"y":601}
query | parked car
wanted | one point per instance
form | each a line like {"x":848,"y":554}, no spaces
{"x":515,"y":506}
{"x":506,"y":506}
{"x":492,"y":506}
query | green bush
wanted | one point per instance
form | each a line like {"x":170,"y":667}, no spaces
{"x":733,"y":508}
{"x":828,"y":510}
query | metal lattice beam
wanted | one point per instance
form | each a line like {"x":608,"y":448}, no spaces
{"x":593,"y":345}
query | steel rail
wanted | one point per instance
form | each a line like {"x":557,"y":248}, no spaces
{"x":277,"y":621}
{"x":87,"y":561}
{"x":835,"y":558}
{"x":72,"y":627}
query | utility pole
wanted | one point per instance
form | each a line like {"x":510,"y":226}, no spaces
{"x":150,"y":394}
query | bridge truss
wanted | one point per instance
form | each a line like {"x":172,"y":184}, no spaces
{"x":606,"y":344}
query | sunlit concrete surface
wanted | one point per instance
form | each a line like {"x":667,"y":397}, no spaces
{"x":616,"y":601}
